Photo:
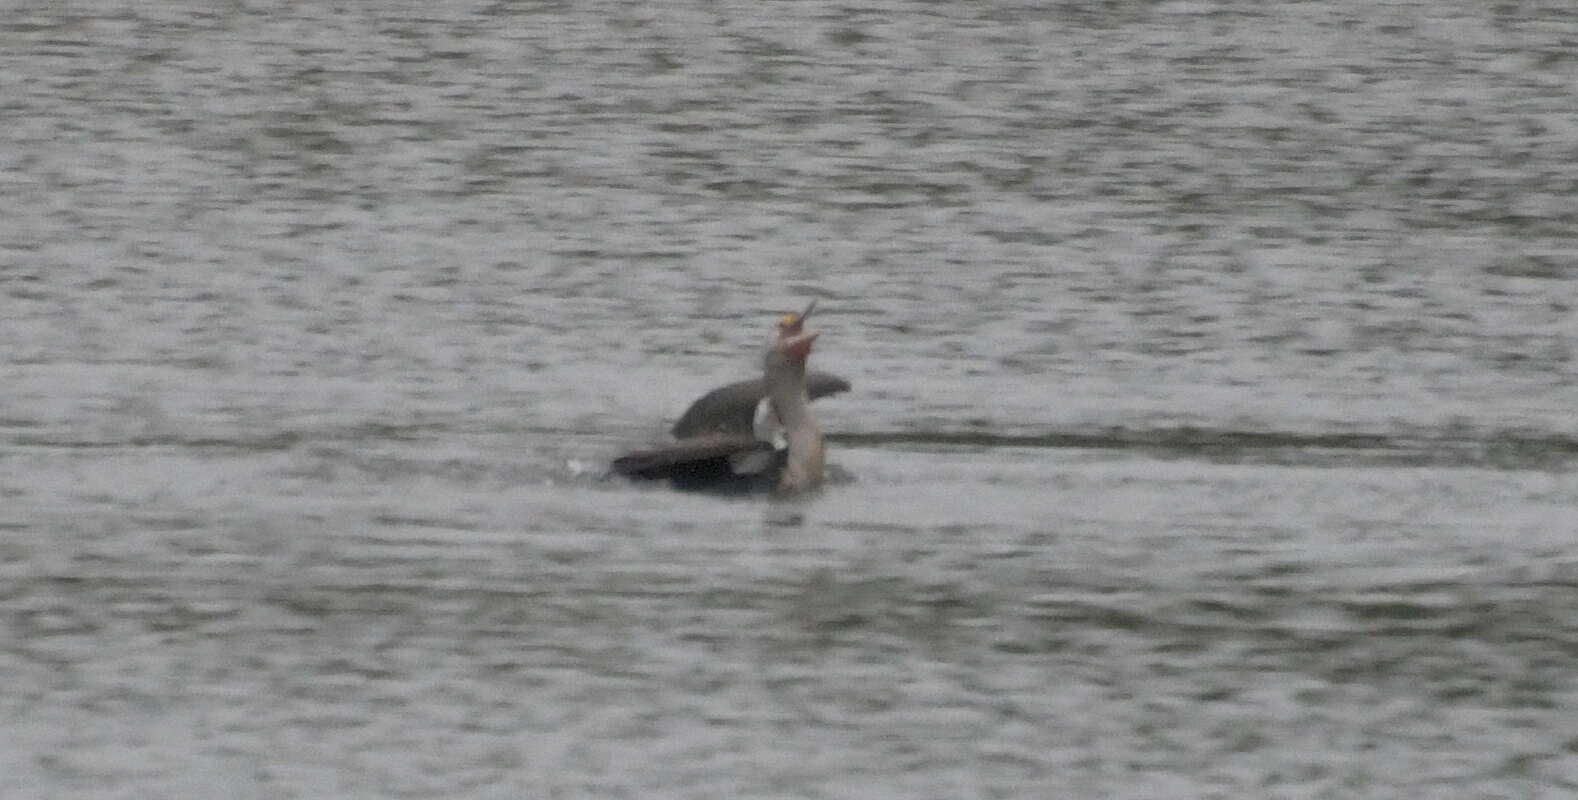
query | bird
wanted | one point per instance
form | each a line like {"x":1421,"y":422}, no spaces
{"x":737,"y":407}
{"x":751,"y":435}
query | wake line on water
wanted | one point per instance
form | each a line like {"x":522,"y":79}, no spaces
{"x":1482,"y":448}
{"x":1500,"y":450}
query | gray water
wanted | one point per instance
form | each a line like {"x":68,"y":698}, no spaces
{"x":1212,"y":432}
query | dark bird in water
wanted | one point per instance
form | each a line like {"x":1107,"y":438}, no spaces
{"x":751,"y":435}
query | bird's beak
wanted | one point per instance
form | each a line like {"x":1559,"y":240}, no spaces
{"x":793,"y":323}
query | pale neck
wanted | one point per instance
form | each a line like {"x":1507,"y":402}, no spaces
{"x":786,"y":387}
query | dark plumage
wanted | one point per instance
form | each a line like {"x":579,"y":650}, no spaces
{"x":732,"y":408}
{"x":715,"y":461}
{"x":719,"y":445}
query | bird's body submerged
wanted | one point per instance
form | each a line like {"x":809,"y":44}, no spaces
{"x":720,"y":461}
{"x":729,"y":442}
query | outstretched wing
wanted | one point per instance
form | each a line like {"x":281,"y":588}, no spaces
{"x":731,"y":409}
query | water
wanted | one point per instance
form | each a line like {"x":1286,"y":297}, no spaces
{"x":1212,"y":430}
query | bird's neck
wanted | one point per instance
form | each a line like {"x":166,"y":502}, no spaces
{"x":786,"y":388}
{"x":803,"y":469}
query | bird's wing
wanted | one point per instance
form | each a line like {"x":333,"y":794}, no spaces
{"x":686,"y":456}
{"x":731,"y":409}
{"x":726,"y":409}
{"x":822,"y":384}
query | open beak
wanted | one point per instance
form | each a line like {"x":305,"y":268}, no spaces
{"x":798,"y":346}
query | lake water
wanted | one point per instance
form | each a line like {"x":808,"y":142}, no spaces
{"x":1212,"y":431}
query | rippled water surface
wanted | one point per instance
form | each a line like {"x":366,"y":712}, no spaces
{"x":1212,"y":431}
